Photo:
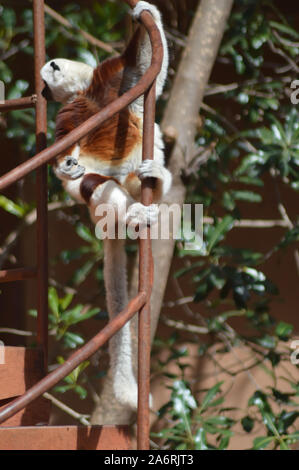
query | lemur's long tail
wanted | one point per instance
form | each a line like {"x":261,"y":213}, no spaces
{"x":115,"y":276}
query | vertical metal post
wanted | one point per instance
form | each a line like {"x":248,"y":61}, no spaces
{"x":41,"y":182}
{"x":145,"y":281}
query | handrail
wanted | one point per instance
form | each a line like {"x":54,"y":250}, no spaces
{"x":18,"y":103}
{"x":75,"y":359}
{"x":146,"y":86}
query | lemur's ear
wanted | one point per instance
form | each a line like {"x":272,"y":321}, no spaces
{"x":46,"y":93}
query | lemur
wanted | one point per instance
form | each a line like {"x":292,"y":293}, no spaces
{"x":106,"y":166}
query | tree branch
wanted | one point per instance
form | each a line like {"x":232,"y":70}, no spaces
{"x":83,"y":419}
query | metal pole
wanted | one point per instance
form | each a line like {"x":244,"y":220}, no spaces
{"x":19,"y":103}
{"x":41,"y":182}
{"x":18,"y":274}
{"x":145,"y":281}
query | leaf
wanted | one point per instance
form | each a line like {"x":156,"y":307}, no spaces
{"x":221,"y":420}
{"x":262,"y":442}
{"x":32,"y":312}
{"x":10,"y":206}
{"x":260,"y":400}
{"x":247,"y":196}
{"x":200,"y":440}
{"x":220,"y":230}
{"x":202,"y":291}
{"x":62,"y":388}
{"x":269,"y":422}
{"x":81,"y":391}
{"x":284,"y":446}
{"x":224,"y":443}
{"x":283,"y":330}
{"x":210,"y":396}
{"x":290,"y":237}
{"x":267,"y":341}
{"x":293,"y":437}
{"x":186,"y":270}
{"x":65,"y":301}
{"x":84,"y":233}
{"x":53,"y":302}
{"x":82,"y":273}
{"x":72,"y":340}
{"x":284,"y":28}
{"x":70,"y":255}
{"x":183,"y":397}
{"x":74,"y":316}
{"x":247,"y":423}
{"x":287,"y":419}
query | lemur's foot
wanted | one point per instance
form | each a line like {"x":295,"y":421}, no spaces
{"x":141,"y":6}
{"x":150,"y":169}
{"x":139,"y":214}
{"x":70,"y":169}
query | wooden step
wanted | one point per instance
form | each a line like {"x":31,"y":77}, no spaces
{"x":20,"y":368}
{"x":65,"y":438}
{"x":37,"y":412}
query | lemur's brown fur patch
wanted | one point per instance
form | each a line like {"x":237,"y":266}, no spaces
{"x":133,"y":185}
{"x":116,"y":137}
{"x":90,"y":182}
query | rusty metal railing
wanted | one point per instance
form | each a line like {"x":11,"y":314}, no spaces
{"x":141,"y":303}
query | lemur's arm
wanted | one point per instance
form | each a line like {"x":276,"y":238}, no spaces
{"x":69,"y":117}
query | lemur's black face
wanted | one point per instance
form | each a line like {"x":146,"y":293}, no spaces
{"x":54,"y":66}
{"x":46,"y":93}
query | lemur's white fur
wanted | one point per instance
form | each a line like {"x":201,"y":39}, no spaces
{"x":72,"y":78}
{"x":66,"y":82}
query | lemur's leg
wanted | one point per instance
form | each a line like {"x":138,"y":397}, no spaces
{"x":98,"y":191}
{"x":145,"y":49}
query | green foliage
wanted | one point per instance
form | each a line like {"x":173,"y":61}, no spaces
{"x":94,"y":251}
{"x":62,"y":318}
{"x":72,"y":380}
{"x":191,"y":422}
{"x":276,"y":424}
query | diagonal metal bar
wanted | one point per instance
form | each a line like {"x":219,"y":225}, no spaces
{"x":75,"y":359}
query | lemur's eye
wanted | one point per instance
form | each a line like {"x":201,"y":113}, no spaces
{"x":54,"y":66}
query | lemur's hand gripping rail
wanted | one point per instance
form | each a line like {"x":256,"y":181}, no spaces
{"x":146,"y":86}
